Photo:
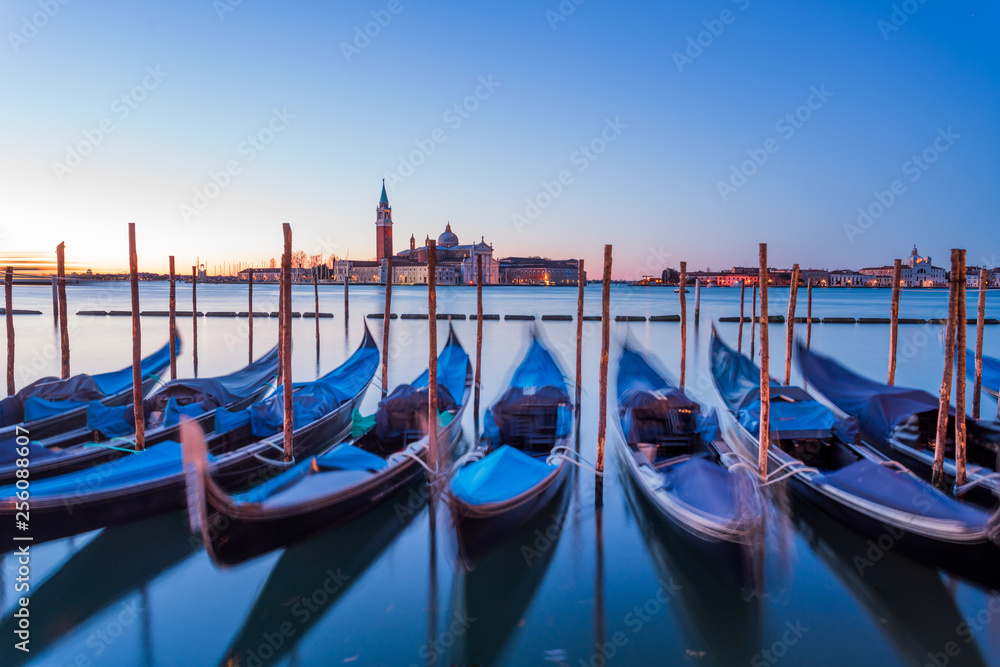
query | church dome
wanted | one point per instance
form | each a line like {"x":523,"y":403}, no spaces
{"x":448,"y":239}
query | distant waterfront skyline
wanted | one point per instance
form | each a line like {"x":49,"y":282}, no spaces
{"x":840,"y":135}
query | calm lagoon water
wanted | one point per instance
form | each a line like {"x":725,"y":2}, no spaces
{"x":603,"y":587}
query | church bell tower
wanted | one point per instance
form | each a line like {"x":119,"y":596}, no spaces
{"x":383,"y":227}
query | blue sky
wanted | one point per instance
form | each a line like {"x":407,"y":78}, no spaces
{"x":309,"y":128}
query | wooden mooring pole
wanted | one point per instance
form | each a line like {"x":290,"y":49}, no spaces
{"x":140,"y":415}
{"x":944,"y":402}
{"x":250,"y":317}
{"x":8,"y":292}
{"x":602,"y":414}
{"x":432,"y":418}
{"x":809,"y":312}
{"x":765,"y":371}
{"x":172,"y":320}
{"x":739,"y":335}
{"x":961,"y":330}
{"x":581,"y":282}
{"x":347,"y":301}
{"x":977,"y":384}
{"x":479,"y":336}
{"x":681,"y":290}
{"x":286,"y":342}
{"x":55,"y":301}
{"x":894,"y":320}
{"x":316,"y":312}
{"x":63,"y":322}
{"x":697,"y":300}
{"x":385,"y":325}
{"x":793,"y":292}
{"x":194,"y":318}
{"x":753,"y":322}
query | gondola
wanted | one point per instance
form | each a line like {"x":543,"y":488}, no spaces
{"x":246,"y":449}
{"x":674,"y":454}
{"x":50,"y":406}
{"x":337,"y":485}
{"x":519,"y":463}
{"x":855,"y":484}
{"x":106,"y":435}
{"x":902,"y":424}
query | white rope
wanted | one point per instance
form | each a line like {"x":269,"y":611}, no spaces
{"x":584,"y":466}
{"x":790,"y":473}
{"x":410,"y":455}
{"x":895,"y":465}
{"x":468,"y":457}
{"x":960,"y":490}
{"x":272,"y":462}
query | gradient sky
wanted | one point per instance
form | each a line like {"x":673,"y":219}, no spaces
{"x":653,"y":192}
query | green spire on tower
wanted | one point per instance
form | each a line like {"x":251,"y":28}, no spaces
{"x":384,"y":199}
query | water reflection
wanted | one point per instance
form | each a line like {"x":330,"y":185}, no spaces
{"x":907,"y":600}
{"x":720,"y":622}
{"x":309,"y":579}
{"x":498,"y":591}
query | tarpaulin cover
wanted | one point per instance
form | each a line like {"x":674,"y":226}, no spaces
{"x":793,"y":413}
{"x":538,"y":369}
{"x":312,"y":400}
{"x":502,"y":474}
{"x":349,"y":457}
{"x":157,"y":462}
{"x":879,"y":407}
{"x":708,"y":487}
{"x":875,"y":482}
{"x":189,"y":397}
{"x":405,"y":408}
{"x":80,"y":389}
{"x":361,"y":424}
{"x":452,"y":369}
{"x":39,"y":408}
{"x":154,"y":364}
{"x":991,"y":371}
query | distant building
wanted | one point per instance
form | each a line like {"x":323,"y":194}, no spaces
{"x":846,"y":278}
{"x":456,"y":260}
{"x":273,"y":275}
{"x":539,"y":271}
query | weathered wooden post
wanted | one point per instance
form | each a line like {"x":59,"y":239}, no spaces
{"x":581,"y":282}
{"x":138,"y":412}
{"x":961,"y":326}
{"x":765,"y":371}
{"x":194,"y":318}
{"x":894,"y":320}
{"x":8,"y":288}
{"x":602,"y":414}
{"x":739,"y":335}
{"x":432,"y":418}
{"x":479,"y":335}
{"x":977,"y":384}
{"x":697,"y":300}
{"x":347,"y":302}
{"x":793,"y":292}
{"x":250,"y":317}
{"x":681,"y":290}
{"x":809,"y":312}
{"x":55,"y":301}
{"x":63,"y":321}
{"x":172,"y":320}
{"x":944,"y":402}
{"x":286,"y":342}
{"x":316,"y":313}
{"x":385,"y":325}
{"x":753,"y":321}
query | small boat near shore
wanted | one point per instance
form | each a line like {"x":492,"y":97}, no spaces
{"x":245,"y":448}
{"x":50,"y":406}
{"x":348,"y":479}
{"x":519,"y":463}
{"x":902,"y":424}
{"x":674,"y":455}
{"x":827,"y":466}
{"x":110,"y":431}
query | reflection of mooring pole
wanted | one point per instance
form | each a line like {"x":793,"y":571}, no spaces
{"x":147,"y":629}
{"x":432,"y":593}
{"x":599,"y":630}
